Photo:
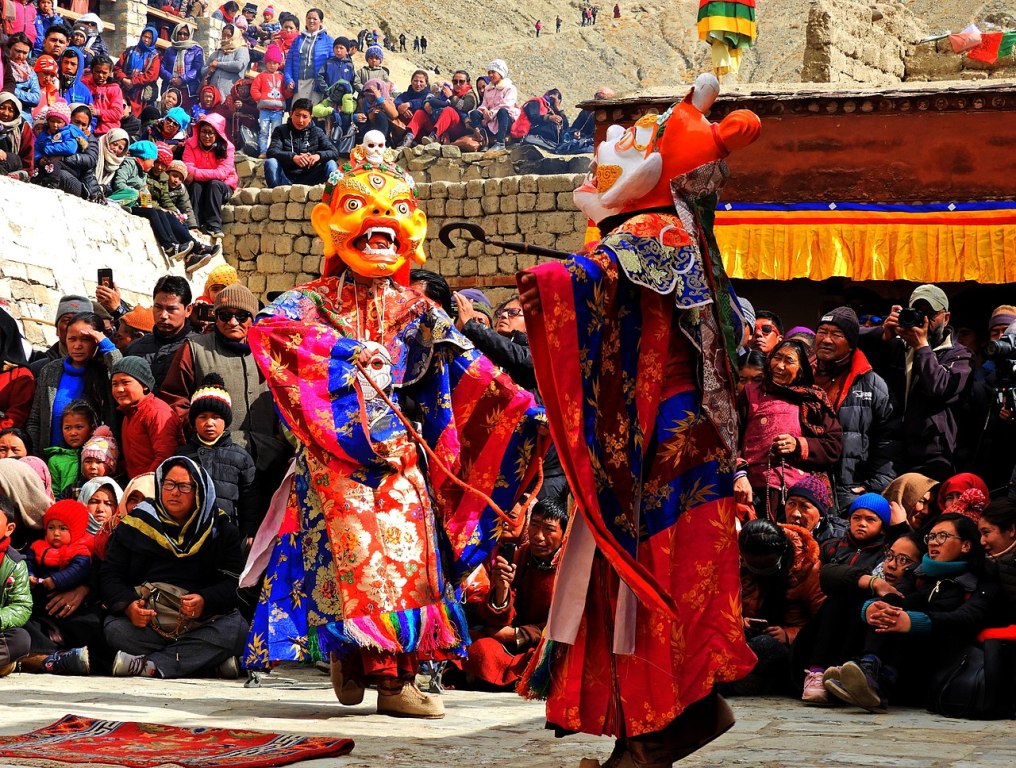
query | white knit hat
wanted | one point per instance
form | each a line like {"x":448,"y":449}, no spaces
{"x":498,"y":65}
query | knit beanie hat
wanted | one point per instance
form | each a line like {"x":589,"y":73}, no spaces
{"x":60,"y":110}
{"x":179,"y":116}
{"x":269,"y":12}
{"x":273,"y":53}
{"x":45,"y":64}
{"x":102,"y":446}
{"x":137,"y":368}
{"x":71,"y":304}
{"x":374,"y":50}
{"x":212,"y":396}
{"x":748,"y":312}
{"x":164,"y":153}
{"x":475,"y":295}
{"x":140,"y":318}
{"x":71,"y":513}
{"x":812,"y":489}
{"x":223,"y":275}
{"x":486,"y":310}
{"x":845,"y":319}
{"x":873,"y":503}
{"x":144,"y":150}
{"x":179,"y":166}
{"x":340,"y":40}
{"x":499,"y":66}
{"x":237,"y":296}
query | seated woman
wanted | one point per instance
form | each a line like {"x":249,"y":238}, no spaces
{"x":372,"y":112}
{"x":907,"y":641}
{"x":211,"y":174}
{"x":498,"y":109}
{"x":411,"y":101}
{"x":170,"y":130}
{"x":512,"y":617}
{"x":997,"y":527}
{"x":915,"y":495}
{"x":808,"y":502}
{"x":542,"y":121}
{"x":17,"y":141}
{"x":780,"y":593}
{"x":181,"y":540}
{"x":789,"y":430}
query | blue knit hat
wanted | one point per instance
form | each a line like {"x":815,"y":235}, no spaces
{"x":374,"y":50}
{"x":146,"y":150}
{"x":874,"y":503}
{"x":179,"y":116}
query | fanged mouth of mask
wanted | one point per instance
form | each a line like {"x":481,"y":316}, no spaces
{"x":378,"y":241}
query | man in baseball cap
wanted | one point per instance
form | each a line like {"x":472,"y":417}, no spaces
{"x":928,"y":374}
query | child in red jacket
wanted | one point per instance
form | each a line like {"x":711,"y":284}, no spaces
{"x":151,"y":430}
{"x":107,"y":97}
{"x":270,"y":93}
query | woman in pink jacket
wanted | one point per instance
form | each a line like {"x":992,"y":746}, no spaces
{"x":498,"y":110}
{"x":208,"y":155}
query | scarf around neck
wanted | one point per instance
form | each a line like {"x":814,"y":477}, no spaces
{"x":151,"y":519}
{"x":108,"y":161}
{"x":935,"y":569}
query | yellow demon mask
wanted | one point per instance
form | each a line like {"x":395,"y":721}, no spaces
{"x":369,"y":220}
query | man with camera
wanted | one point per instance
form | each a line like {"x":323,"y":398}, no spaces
{"x":928,"y":374}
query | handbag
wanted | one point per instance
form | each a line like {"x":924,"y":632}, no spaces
{"x":977,"y":684}
{"x":164,"y":599}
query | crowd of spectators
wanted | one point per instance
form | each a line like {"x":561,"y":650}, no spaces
{"x":876,"y":548}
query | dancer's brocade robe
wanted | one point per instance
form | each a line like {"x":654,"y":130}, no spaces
{"x":373,"y":543}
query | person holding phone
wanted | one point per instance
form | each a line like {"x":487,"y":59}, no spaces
{"x":780,"y":593}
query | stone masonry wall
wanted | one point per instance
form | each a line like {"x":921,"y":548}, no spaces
{"x":54,"y":245}
{"x":269,"y":238}
{"x":858,"y":42}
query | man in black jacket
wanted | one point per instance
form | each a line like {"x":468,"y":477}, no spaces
{"x":928,"y":374}
{"x":299,"y":152}
{"x":171,"y":310}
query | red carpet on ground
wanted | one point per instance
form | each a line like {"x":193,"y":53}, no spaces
{"x":81,"y":741}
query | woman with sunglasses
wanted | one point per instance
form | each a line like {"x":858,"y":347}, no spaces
{"x":179,"y":539}
{"x":906,"y":643}
{"x":789,"y":430}
{"x":225,"y":351}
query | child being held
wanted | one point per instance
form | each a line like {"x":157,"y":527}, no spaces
{"x":59,"y":138}
{"x":15,"y":592}
{"x":61,"y":561}
{"x":77,"y":423}
{"x":98,"y":459}
{"x":229,"y":465}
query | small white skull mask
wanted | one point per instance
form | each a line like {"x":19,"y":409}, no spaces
{"x":374,"y":146}
{"x":379,"y":369}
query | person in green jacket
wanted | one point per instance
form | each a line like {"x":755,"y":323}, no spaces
{"x":15,"y":592}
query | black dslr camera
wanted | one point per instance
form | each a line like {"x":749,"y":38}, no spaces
{"x":911,"y":317}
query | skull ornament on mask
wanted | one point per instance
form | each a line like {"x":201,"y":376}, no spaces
{"x":374,"y":146}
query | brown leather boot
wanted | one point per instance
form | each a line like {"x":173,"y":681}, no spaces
{"x":703,"y":721}
{"x":32,"y":662}
{"x":401,"y":699}
{"x":348,"y":692}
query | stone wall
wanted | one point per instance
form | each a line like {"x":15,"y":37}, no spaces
{"x":55,"y":243}
{"x":268,"y":235}
{"x":858,"y":42}
{"x":936,"y":60}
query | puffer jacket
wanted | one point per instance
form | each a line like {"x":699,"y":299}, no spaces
{"x":953,"y":609}
{"x":232,"y":470}
{"x":82,"y":165}
{"x":149,"y":434}
{"x":844,"y":561}
{"x":202,"y":164}
{"x":15,"y":591}
{"x":804,"y":594}
{"x":194,"y":59}
{"x":871,"y":426}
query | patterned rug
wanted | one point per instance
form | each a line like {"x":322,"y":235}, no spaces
{"x":81,"y":741}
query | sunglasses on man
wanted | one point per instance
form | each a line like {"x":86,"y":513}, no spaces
{"x":225,"y":315}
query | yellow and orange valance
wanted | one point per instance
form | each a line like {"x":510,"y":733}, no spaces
{"x":934,"y":242}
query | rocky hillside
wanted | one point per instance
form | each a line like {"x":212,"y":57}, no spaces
{"x":653,"y":46}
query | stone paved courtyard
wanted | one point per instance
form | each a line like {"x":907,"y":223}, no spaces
{"x":483,"y":729}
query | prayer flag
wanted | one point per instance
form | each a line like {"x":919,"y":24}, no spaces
{"x":994,"y":46}
{"x":729,"y":26}
{"x":969,"y":38}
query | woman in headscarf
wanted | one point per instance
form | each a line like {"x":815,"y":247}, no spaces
{"x":137,"y":70}
{"x":101,"y":497}
{"x":372,"y":114}
{"x":182,"y":540}
{"x":26,"y":82}
{"x":181,"y":64}
{"x":171,"y":97}
{"x":915,"y":494}
{"x":140,"y":488}
{"x":17,"y":384}
{"x":790,"y":431}
{"x":23,"y":484}
{"x":112,"y":151}
{"x":227,"y":64}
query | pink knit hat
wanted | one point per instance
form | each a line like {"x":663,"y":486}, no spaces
{"x":60,"y":109}
{"x":102,"y":446}
{"x":273,"y":53}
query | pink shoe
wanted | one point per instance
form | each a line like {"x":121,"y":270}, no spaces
{"x":814,"y":689}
